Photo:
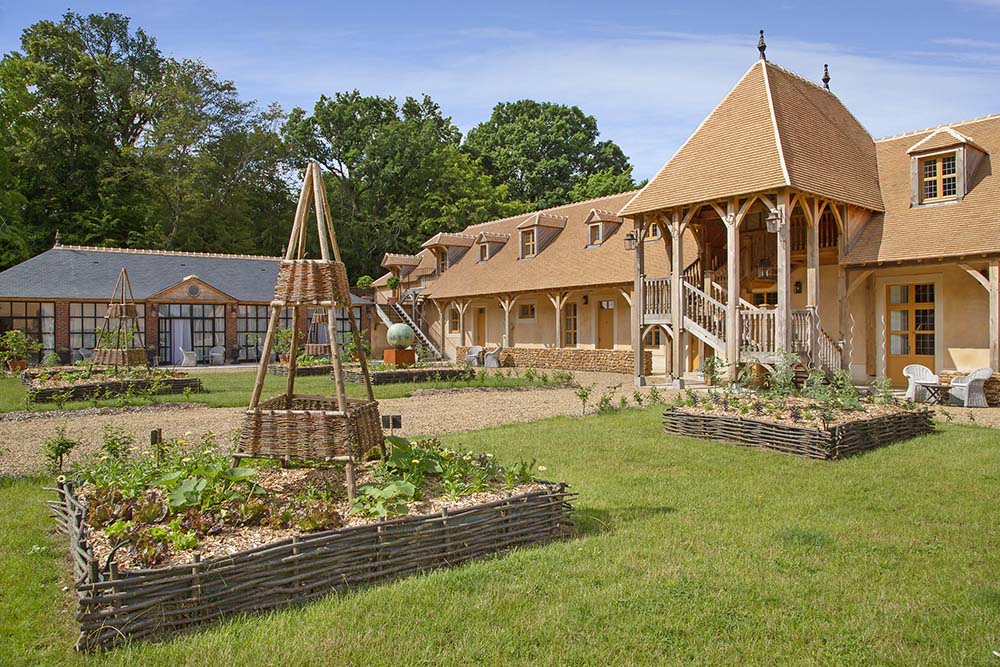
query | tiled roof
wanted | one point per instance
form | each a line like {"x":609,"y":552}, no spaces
{"x":773,"y":129}
{"x":944,"y":137}
{"x":566,"y":262}
{"x":397,"y":259}
{"x":447,"y":239}
{"x":968,"y":227}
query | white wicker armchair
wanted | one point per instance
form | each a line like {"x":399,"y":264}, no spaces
{"x":913,"y":373}
{"x":473,"y":357}
{"x":491,"y":358}
{"x":968,"y":390}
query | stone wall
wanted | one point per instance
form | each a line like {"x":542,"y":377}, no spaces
{"x":991,"y":388}
{"x":569,"y":358}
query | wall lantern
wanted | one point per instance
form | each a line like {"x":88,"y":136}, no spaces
{"x":776,"y":217}
{"x":630,"y":241}
{"x":798,"y":287}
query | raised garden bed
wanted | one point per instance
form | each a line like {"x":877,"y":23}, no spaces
{"x":417,"y":374}
{"x":165,"y":543}
{"x":835,"y":442}
{"x":72,"y":384}
{"x":300,"y":371}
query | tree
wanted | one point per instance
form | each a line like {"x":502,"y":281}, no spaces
{"x":602,"y":184}
{"x":395,"y":173}
{"x":540,"y":150}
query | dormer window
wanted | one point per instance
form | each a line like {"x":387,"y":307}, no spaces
{"x":939,"y":176}
{"x":595,"y":234}
{"x":527,"y":242}
{"x":484,"y":252}
{"x":442,"y":261}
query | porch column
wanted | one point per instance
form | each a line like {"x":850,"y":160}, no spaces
{"x":784,"y":311}
{"x":812,"y":279}
{"x":733,"y":333}
{"x":995,"y":314}
{"x":638,"y":303}
{"x":462,"y":307}
{"x":842,"y":298}
{"x":677,"y":299}
{"x":558,"y":300}
{"x":507,"y":303}
{"x":442,"y":317}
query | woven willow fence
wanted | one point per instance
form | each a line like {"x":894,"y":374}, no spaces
{"x":834,"y":443}
{"x":113,"y":606}
{"x":111,"y":388}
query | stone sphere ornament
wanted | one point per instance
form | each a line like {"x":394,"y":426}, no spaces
{"x":399,"y":336}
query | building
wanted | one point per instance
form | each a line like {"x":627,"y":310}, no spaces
{"x":186,"y":300}
{"x":779,"y":226}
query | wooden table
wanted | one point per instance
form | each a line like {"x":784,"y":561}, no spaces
{"x":937,"y":393}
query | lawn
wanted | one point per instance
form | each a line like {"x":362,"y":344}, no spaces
{"x":232,"y":389}
{"x":688,"y":553}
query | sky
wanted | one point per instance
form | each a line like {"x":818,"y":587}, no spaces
{"x":648,"y":71}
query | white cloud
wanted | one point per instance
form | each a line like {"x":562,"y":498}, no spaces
{"x":648,"y":89}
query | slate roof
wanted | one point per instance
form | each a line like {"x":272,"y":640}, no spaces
{"x":85,"y":273}
{"x":773,"y":129}
{"x":954,"y":229}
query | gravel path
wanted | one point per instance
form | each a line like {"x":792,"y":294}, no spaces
{"x":428,"y":412}
{"x":424,"y":413}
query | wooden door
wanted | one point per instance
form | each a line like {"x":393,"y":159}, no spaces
{"x":606,"y":325}
{"x":909,"y":337}
{"x":481,"y":327}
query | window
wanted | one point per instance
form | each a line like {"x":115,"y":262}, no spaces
{"x":910,"y":334}
{"x":33,"y":318}
{"x":595,"y":235}
{"x":484,"y":252}
{"x":86,"y":319}
{"x":654,"y":337}
{"x":526,"y":311}
{"x":569,"y":325}
{"x":939,"y":178}
{"x":527,"y":243}
{"x":251,"y":327}
{"x":442,"y":261}
{"x":765,"y":299}
{"x":453,"y":321}
{"x":654,"y":232}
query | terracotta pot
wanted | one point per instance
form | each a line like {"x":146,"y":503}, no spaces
{"x":16,"y":365}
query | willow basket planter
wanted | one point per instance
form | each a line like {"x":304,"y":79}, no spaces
{"x":115,"y":606}
{"x":134,"y":356}
{"x":309,"y":428}
{"x":836,"y":442}
{"x":111,"y":388}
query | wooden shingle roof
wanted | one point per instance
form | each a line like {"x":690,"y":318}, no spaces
{"x":773,"y":129}
{"x":953,"y":229}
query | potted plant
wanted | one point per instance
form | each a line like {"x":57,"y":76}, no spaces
{"x":393,"y":284}
{"x":283,"y":343}
{"x":234,"y":354}
{"x":16,"y":347}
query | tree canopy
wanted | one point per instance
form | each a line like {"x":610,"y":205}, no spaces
{"x":113,"y":143}
{"x":541,"y":151}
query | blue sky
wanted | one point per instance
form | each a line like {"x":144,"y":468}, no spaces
{"x":648,"y":71}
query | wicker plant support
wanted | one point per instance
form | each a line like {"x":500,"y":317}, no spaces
{"x":310,"y":427}
{"x":122,"y":318}
{"x":829,"y":444}
{"x":114,"y":607}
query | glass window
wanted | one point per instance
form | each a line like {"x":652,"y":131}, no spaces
{"x":940,"y":178}
{"x":33,"y":318}
{"x":484,"y":252}
{"x":654,"y":338}
{"x":86,"y":320}
{"x":569,"y":325}
{"x":251,"y":327}
{"x":899,"y":294}
{"x":526,"y":311}
{"x":899,"y":344}
{"x":923,"y":293}
{"x":924,"y":319}
{"x":925,"y":344}
{"x":527,"y":243}
{"x":595,"y":235}
{"x":453,"y":321}
{"x":899,"y":320}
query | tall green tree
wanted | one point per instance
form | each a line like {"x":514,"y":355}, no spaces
{"x":602,"y":184}
{"x":540,"y":150}
{"x":395,"y":173}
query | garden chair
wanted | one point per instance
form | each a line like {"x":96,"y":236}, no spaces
{"x":217,"y":355}
{"x":914,"y":373}
{"x":189,"y":357}
{"x":473,"y":356}
{"x":491,"y":358}
{"x":968,"y":390}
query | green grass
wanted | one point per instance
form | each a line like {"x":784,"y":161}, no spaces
{"x":232,"y":389}
{"x":689,"y":553}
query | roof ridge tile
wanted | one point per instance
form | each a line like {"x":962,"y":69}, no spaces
{"x":174,"y":253}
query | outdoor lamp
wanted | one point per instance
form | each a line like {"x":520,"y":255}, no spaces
{"x":630,"y":241}
{"x":775,"y":218}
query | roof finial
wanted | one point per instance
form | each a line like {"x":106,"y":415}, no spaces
{"x":58,"y":242}
{"x":826,"y":76}
{"x":284,"y":250}
{"x":762,"y":46}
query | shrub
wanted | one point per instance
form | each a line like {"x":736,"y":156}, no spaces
{"x":57,"y":447}
{"x":15,"y":345}
{"x":882,"y":391}
{"x":364,"y":281}
{"x":781,"y":382}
